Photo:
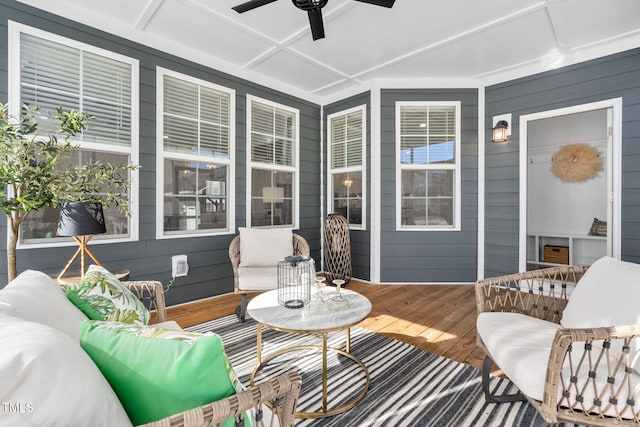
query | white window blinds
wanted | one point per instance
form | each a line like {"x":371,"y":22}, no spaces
{"x":272,"y":135}
{"x":53,"y":74}
{"x":346,"y":140}
{"x":427,"y":134}
{"x":196,"y":119}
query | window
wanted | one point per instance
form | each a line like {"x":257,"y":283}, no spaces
{"x":48,"y":71}
{"x":347,"y":153}
{"x":428,"y":165}
{"x":272,"y":160}
{"x":195,"y":156}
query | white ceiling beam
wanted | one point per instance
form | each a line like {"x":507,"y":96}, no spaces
{"x":147,"y":14}
{"x":460,"y":36}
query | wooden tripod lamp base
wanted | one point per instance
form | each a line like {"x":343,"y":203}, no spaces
{"x":80,"y":220}
{"x":82,"y":251}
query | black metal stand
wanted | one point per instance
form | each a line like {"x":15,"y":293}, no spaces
{"x":492,"y":398}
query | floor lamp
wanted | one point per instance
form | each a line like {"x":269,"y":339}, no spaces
{"x":80,"y":221}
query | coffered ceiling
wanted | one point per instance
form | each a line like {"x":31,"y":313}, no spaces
{"x":419,"y":43}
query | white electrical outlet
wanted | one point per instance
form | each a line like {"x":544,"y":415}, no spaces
{"x":179,"y":266}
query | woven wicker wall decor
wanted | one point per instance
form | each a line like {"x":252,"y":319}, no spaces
{"x":337,"y":248}
{"x":576,"y":162}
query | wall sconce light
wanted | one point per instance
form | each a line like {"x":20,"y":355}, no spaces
{"x":501,"y":130}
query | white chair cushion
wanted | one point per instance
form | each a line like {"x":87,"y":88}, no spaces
{"x":36,"y":297}
{"x":264,"y":247}
{"x":520,"y":345}
{"x":257,"y":278}
{"x":607,"y":295}
{"x":51,"y":381}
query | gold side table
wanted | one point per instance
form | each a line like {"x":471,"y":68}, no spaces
{"x":314,"y":318}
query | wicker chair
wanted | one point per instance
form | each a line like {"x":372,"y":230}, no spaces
{"x":280,"y":392}
{"x":585,"y":379}
{"x":300,"y":247}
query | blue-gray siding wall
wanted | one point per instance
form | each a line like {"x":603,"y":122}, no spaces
{"x":210,"y":271}
{"x":430,"y":256}
{"x":360,"y":239}
{"x":603,"y":78}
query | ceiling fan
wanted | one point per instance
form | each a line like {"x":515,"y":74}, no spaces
{"x":313,"y":9}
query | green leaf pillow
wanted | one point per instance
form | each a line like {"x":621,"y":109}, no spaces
{"x":101,"y":296}
{"x":157,"y":373}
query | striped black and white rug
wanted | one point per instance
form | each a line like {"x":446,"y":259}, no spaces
{"x":409,"y":387}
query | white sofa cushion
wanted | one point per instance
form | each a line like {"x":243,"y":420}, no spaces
{"x":257,"y":278}
{"x":36,"y":297}
{"x":51,"y":381}
{"x":607,"y":295}
{"x":261,"y":247}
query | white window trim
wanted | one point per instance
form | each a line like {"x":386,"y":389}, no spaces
{"x":362,"y":168}
{"x":15,"y":29}
{"x":161,"y":156}
{"x":457,"y":191}
{"x":295,"y":169}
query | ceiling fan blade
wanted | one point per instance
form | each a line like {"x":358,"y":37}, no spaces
{"x":315,"y":21}
{"x":250,"y":5}
{"x":384,"y":3}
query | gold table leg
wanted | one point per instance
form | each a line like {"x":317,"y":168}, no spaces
{"x":324,"y":349}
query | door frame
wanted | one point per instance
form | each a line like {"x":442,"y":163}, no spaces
{"x":614,"y":173}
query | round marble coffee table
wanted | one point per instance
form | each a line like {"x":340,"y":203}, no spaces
{"x":313,"y":318}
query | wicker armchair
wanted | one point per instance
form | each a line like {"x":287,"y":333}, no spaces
{"x":588,"y":375}
{"x":300,"y":247}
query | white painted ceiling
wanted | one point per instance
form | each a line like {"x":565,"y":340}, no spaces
{"x":417,"y":43}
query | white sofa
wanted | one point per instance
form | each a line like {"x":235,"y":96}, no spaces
{"x":47,"y":379}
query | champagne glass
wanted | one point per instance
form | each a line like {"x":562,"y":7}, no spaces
{"x":337,"y":301}
{"x":319,"y":284}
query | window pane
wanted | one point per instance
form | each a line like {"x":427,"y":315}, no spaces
{"x":414,"y":211}
{"x":440,"y":183}
{"x":272,"y":198}
{"x":180,"y":97}
{"x":106,"y":87}
{"x":347,"y":196}
{"x":414,"y":183}
{"x":195,"y":196}
{"x":272,"y":135}
{"x":262,"y":148}
{"x":346,"y":140}
{"x":180,"y":135}
{"x":214,"y":141}
{"x":440,"y":197}
{"x":440,"y":211}
{"x":285,"y":122}
{"x":262,"y":118}
{"x":284,"y":152}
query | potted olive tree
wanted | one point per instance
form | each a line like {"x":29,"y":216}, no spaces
{"x":36,"y":171}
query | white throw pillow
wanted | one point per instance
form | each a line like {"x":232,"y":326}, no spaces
{"x":36,"y":297}
{"x":48,"y":380}
{"x":261,"y":247}
{"x":607,"y":295}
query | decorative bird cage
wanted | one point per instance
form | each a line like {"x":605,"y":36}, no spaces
{"x":295,"y":275}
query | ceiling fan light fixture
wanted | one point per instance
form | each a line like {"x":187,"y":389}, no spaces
{"x":309,"y":4}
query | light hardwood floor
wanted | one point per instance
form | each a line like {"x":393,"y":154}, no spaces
{"x":436,"y":318}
